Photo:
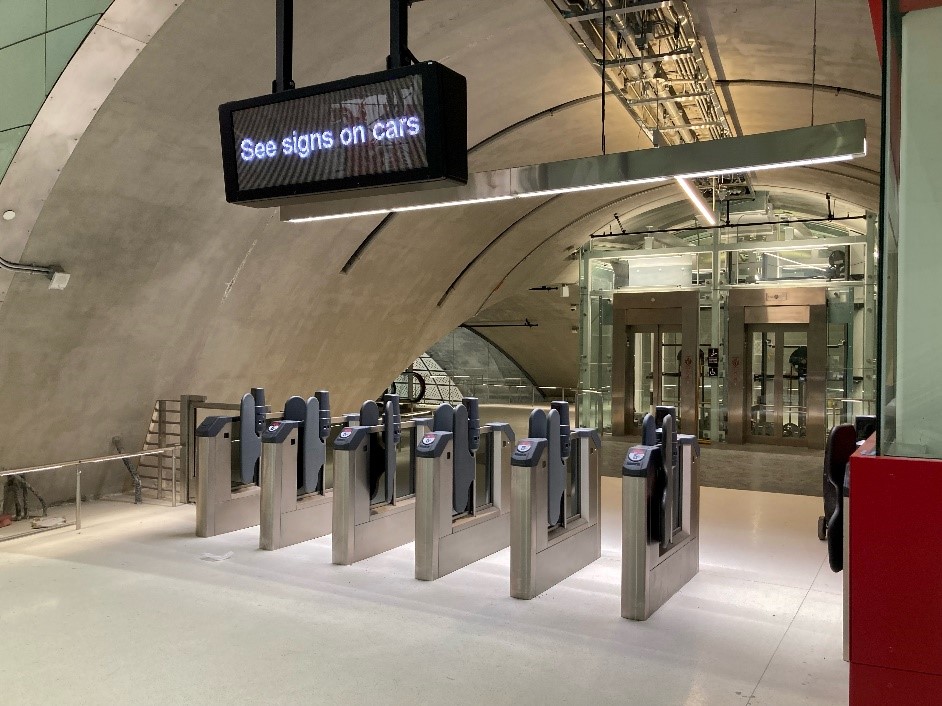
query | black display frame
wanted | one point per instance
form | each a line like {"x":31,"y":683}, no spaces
{"x":445,"y":98}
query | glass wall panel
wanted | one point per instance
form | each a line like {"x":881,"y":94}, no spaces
{"x":38,"y":38}
{"x":911,"y":367}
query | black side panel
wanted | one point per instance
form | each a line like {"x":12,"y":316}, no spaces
{"x":556,"y":470}
{"x":250,"y":443}
{"x":564,"y":428}
{"x":369,"y":414}
{"x":669,"y":464}
{"x":474,"y":423}
{"x":648,"y":431}
{"x":391,"y":435}
{"x":444,"y":418}
{"x":537,"y":426}
{"x":463,"y":463}
{"x":841,"y":445}
{"x":295,"y":409}
{"x":313,"y":452}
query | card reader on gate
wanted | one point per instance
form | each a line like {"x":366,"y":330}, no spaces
{"x":528,"y":452}
{"x":277,"y":431}
{"x":350,"y":437}
{"x":640,"y":460}
{"x":433,"y":444}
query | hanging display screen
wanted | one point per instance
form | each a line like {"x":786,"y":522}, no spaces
{"x":400,"y":126}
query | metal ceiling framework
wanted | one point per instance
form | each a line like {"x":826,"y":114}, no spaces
{"x":654,"y":66}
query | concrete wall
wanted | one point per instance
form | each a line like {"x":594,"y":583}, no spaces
{"x":174,"y":291}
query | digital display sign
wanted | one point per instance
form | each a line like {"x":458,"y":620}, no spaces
{"x":401,"y":126}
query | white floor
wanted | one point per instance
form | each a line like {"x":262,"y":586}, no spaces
{"x":125,"y":612}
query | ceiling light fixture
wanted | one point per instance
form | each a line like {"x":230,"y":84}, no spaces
{"x":696,"y":198}
{"x":819,"y":144}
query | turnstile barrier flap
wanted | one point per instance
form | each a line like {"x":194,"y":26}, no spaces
{"x":565,"y":444}
{"x":250,"y":440}
{"x":462,"y":424}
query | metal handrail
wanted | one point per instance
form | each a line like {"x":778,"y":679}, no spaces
{"x":77,"y":465}
{"x":89,"y":461}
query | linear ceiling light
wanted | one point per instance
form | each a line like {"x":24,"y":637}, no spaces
{"x":696,"y":198}
{"x":818,"y":144}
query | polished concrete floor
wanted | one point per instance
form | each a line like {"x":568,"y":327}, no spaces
{"x":126,"y":612}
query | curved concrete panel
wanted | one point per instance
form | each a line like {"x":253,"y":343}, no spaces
{"x":175,"y":291}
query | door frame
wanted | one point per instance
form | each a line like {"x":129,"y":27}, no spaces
{"x":658,"y":309}
{"x":781,"y":305}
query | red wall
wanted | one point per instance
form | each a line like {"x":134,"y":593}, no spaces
{"x":909,"y":5}
{"x":895,"y":579}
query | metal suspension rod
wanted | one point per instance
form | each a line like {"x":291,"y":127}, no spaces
{"x":284,"y":46}
{"x":399,"y":55}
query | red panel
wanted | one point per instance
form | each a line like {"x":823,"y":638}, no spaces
{"x":875,"y":686}
{"x":896,"y":563}
{"x":910,"y":5}
{"x":876,"y":14}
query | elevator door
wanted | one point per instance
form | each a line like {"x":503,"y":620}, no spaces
{"x":653,"y":362}
{"x":777,"y":360}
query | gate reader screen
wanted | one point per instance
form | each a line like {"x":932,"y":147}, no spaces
{"x":400,"y":126}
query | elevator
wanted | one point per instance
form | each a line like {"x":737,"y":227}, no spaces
{"x":777,"y":366}
{"x":656,"y":359}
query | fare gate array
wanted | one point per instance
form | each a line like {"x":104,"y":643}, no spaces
{"x":448,"y":483}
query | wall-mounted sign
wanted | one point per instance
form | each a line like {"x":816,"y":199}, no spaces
{"x":713,"y":362}
{"x":402,"y":126}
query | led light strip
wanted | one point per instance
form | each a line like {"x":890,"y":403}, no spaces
{"x":846,"y":136}
{"x":696,"y":198}
{"x":483,"y":199}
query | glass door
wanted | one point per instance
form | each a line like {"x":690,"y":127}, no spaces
{"x":654,"y":360}
{"x":777,"y":356}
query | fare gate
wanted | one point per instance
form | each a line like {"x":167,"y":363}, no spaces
{"x":462,"y":491}
{"x":555,"y":499}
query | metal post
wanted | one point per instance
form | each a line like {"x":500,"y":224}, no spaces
{"x":161,"y":443}
{"x":284,"y":45}
{"x":173,"y":482}
{"x":78,"y":498}
{"x":716,"y":338}
{"x":398,"y":34}
{"x":188,"y":408}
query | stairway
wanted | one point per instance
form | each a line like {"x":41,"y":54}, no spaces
{"x":164,"y":430}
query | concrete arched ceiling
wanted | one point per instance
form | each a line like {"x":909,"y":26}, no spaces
{"x":175,"y":291}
